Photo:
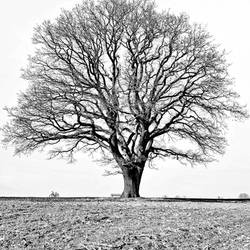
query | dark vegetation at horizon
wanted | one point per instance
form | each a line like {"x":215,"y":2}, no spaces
{"x":120,"y":199}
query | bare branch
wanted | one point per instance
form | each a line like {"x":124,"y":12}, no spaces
{"x":123,"y":79}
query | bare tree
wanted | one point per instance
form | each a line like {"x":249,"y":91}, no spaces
{"x":124,"y":79}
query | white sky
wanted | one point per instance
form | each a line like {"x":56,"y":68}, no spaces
{"x":33,"y":175}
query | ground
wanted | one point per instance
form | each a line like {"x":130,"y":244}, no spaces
{"x":123,"y":224}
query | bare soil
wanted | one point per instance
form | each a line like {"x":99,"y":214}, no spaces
{"x":123,"y":224}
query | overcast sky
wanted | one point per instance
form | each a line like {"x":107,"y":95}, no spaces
{"x":34,"y":175}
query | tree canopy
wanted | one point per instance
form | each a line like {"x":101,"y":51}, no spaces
{"x":128,"y":81}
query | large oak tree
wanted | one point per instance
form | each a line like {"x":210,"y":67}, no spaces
{"x":124,"y":80}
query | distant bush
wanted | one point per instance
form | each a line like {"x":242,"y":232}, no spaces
{"x":180,"y":196}
{"x":244,"y":196}
{"x":54,"y":194}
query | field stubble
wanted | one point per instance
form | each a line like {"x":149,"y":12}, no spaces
{"x":123,"y":224}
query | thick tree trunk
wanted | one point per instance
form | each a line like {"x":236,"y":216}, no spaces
{"x":132,"y":179}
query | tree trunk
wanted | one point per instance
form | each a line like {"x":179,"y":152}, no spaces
{"x":132,"y":179}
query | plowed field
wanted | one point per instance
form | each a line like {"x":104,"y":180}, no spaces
{"x":122,"y":224}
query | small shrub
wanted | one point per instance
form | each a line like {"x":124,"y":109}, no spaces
{"x":244,"y":196}
{"x":54,"y":194}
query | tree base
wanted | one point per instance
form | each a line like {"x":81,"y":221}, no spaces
{"x":129,"y":195}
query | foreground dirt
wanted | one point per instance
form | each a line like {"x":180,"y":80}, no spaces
{"x":136,"y":224}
